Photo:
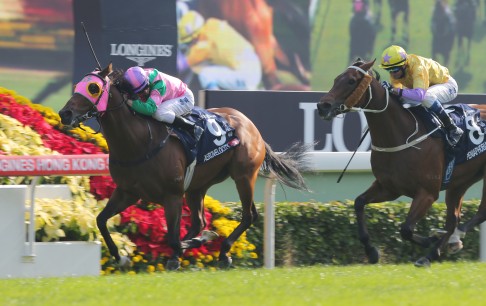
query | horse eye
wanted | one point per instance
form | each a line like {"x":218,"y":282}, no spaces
{"x":351,"y":81}
{"x":94,"y":89}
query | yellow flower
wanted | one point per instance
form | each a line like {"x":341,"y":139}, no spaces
{"x":150,"y":268}
{"x":208,"y":258}
{"x":185,"y":263}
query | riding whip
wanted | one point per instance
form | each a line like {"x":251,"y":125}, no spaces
{"x":360,"y":141}
{"x":91,"y":46}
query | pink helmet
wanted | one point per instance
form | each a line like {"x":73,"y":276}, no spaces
{"x":137,"y":78}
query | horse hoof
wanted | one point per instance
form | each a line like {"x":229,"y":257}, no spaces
{"x":373,"y":255}
{"x":454,"y":247}
{"x":225,"y":263}
{"x":207,"y":236}
{"x":172,"y":265}
{"x":125,"y":263}
{"x":423,"y":262}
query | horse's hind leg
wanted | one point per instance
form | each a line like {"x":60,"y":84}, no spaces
{"x":118,"y":202}
{"x":245,"y":187}
{"x":480,"y":215}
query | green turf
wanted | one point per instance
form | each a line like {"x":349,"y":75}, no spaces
{"x":443,"y":284}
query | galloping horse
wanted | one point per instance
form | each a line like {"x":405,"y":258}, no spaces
{"x":405,"y":160}
{"x":147,"y":163}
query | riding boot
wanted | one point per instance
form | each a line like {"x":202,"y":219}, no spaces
{"x":189,"y":126}
{"x":454,"y":132}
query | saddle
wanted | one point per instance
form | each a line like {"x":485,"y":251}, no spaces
{"x":218,"y":136}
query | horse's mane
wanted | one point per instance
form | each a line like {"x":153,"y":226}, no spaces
{"x":121,"y":83}
{"x":374,"y":73}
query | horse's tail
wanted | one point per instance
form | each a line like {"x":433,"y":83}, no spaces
{"x":287,"y":167}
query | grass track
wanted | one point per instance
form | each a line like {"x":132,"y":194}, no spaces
{"x":444,"y":284}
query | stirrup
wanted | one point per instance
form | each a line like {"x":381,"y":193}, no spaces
{"x":454,"y":135}
{"x":198,"y":131}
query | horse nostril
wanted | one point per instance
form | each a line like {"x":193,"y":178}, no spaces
{"x":66,"y":116}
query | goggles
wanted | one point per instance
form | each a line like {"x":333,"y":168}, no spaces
{"x":394,"y":69}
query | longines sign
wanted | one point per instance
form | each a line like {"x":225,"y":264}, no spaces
{"x":284,"y":118}
{"x":141,"y":53}
{"x":123,"y":38}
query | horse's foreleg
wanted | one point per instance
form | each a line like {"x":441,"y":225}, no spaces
{"x":419,"y":207}
{"x":453,"y":202}
{"x":118,"y":202}
{"x":195,"y":201}
{"x":363,"y":235}
{"x":375,"y":194}
{"x":173,"y":214}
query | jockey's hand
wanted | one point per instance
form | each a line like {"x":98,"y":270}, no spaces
{"x":392,"y":90}
{"x":387,"y":86}
{"x":129,"y":102}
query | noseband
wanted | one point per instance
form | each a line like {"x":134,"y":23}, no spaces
{"x":359,"y":92}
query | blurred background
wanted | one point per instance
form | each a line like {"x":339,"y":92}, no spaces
{"x":301,"y":44}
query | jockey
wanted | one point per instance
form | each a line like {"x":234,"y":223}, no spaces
{"x":163,"y":97}
{"x":419,"y":80}
{"x":222,"y":57}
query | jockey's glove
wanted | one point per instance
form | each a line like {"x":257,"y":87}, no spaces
{"x":392,"y":90}
{"x":387,"y":85}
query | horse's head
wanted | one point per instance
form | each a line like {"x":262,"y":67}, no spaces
{"x":347,"y":92}
{"x":90,"y":98}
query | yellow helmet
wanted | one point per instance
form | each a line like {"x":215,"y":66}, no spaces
{"x":189,"y":26}
{"x":393,"y":56}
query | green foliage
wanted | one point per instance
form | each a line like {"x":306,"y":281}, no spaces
{"x":326,"y":233}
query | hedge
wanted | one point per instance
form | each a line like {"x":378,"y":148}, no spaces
{"x":326,"y":233}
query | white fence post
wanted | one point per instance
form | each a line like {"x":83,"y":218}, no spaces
{"x":269,"y":225}
{"x":482,"y":242}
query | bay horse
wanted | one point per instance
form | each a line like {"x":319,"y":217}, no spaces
{"x":405,"y":161}
{"x":147,"y":163}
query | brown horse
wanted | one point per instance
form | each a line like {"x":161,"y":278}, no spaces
{"x":147,"y":163}
{"x":404,"y":161}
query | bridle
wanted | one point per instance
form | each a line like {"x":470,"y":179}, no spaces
{"x":100,"y":100}
{"x":344,"y":108}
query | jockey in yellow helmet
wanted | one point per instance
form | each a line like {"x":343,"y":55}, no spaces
{"x":419,"y":80}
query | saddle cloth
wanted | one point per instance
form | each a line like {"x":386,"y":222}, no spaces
{"x":218,"y":136}
{"x":473,"y":141}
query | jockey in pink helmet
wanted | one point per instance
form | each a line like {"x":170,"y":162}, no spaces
{"x":164,"y":97}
